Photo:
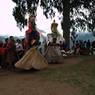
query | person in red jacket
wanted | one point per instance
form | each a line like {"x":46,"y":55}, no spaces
{"x":11,"y":55}
{"x":2,"y":54}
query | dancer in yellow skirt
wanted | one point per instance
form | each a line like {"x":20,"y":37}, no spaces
{"x":32,"y":58}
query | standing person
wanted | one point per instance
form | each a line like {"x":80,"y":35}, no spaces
{"x":77,"y":48}
{"x":93,"y":48}
{"x":88,"y":46}
{"x":5,"y":43}
{"x":2,"y":55}
{"x":32,"y":58}
{"x":5,"y":54}
{"x":11,"y":55}
{"x":24,"y":44}
{"x":19,"y":48}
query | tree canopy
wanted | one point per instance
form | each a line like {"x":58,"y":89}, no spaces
{"x":77,"y":14}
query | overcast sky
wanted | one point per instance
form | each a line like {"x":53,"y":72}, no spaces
{"x":8,"y":24}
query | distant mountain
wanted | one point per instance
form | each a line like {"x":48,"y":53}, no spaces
{"x":2,"y":38}
{"x":85,"y":36}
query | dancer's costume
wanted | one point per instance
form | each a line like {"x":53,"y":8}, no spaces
{"x":32,"y":58}
{"x":53,"y":53}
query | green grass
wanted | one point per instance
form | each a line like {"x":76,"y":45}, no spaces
{"x":80,"y":75}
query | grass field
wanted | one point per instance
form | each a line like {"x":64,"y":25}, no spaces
{"x":76,"y":76}
{"x":80,"y":72}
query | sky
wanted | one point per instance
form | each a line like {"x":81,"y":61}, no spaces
{"x":8,"y":24}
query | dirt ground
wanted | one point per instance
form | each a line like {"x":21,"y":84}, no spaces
{"x":29,"y":83}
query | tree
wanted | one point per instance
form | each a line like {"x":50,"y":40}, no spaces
{"x":76,"y":13}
